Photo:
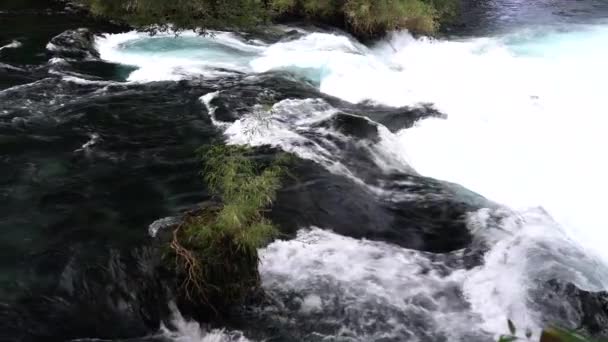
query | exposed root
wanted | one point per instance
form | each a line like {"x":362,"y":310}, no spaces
{"x":193,"y":285}
{"x":215,"y":247}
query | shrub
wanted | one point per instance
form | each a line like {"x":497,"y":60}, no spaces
{"x":361,"y":17}
{"x":161,"y":15}
{"x":216,"y":249}
{"x":383,"y":15}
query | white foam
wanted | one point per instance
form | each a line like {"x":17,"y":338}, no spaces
{"x":328,"y":54}
{"x":79,"y":80}
{"x":57,"y":60}
{"x":527,"y":249}
{"x":291,"y":126}
{"x":525,"y":112}
{"x":362,"y":276}
{"x":167,"y":57}
{"x":191,"y":331}
{"x":13,"y":45}
{"x":525,"y":121}
{"x":312,"y":303}
{"x":279,"y":126}
{"x":94,"y":139}
{"x":206,"y":100}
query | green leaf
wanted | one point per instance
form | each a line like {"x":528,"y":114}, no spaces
{"x":507,"y":338}
{"x":562,"y":335}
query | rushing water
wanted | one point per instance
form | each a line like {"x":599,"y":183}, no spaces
{"x":96,"y":149}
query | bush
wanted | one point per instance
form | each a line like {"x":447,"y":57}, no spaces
{"x":361,"y":17}
{"x":161,"y":15}
{"x":216,"y":249}
{"x":384,"y":15}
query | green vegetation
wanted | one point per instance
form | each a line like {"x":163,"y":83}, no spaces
{"x":562,"y":335}
{"x":216,"y":249}
{"x":161,"y":15}
{"x":548,"y":335}
{"x":361,"y":17}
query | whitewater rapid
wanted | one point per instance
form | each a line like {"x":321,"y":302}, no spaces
{"x":525,"y":127}
{"x":526,"y":121}
{"x":525,"y":110}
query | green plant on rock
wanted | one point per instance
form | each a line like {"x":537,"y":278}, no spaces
{"x":552,"y":334}
{"x":216,"y":249}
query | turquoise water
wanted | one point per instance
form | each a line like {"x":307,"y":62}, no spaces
{"x":188,"y":47}
{"x":579,"y":40}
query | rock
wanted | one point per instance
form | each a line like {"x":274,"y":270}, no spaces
{"x":161,"y":224}
{"x":563,"y":304}
{"x":79,"y":44}
{"x":272,"y":34}
{"x":11,"y":76}
{"x":432,"y":219}
{"x":354,"y":126}
{"x":115,"y":296}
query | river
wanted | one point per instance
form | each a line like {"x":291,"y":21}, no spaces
{"x":443,"y":186}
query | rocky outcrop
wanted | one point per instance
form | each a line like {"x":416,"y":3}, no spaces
{"x":564,"y":304}
{"x":79,"y":44}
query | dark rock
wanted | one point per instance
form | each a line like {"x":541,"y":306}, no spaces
{"x":395,"y":121}
{"x":78,"y":44}
{"x":11,"y":76}
{"x":433,"y":219}
{"x":271,"y":35}
{"x":355,"y":126}
{"x":122,"y":296}
{"x":564,"y":305}
{"x":100,"y":70}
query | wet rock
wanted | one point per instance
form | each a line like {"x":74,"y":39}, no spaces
{"x":120,"y":296}
{"x":11,"y":76}
{"x":406,"y":118}
{"x":432,"y":218}
{"x":238,"y":99}
{"x":78,"y":44}
{"x":99,"y":70}
{"x":565,"y":305}
{"x":355,"y":126}
{"x":146,"y":168}
{"x":272,"y":35}
{"x":162,"y":224}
